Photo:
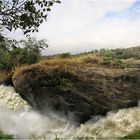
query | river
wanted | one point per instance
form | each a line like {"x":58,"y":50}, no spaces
{"x":19,"y":119}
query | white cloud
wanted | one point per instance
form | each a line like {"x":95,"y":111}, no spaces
{"x":117,"y":33}
{"x":78,"y":25}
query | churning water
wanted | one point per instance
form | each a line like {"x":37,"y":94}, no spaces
{"x":18,"y":118}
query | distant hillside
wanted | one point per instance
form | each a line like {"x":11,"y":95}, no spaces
{"x":122,"y":53}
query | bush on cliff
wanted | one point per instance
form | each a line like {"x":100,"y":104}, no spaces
{"x":65,"y":55}
{"x":13,"y":53}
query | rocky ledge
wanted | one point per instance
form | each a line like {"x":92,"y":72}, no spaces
{"x":81,"y":91}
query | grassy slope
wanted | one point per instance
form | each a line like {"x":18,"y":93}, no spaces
{"x":103,"y":62}
{"x":83,"y":63}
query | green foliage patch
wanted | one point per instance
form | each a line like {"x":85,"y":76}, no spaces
{"x":5,"y":136}
{"x":17,"y":53}
{"x":133,"y":135}
{"x":24,"y":14}
{"x":65,"y":55}
{"x":113,"y":58}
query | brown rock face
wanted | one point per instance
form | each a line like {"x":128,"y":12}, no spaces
{"x":82,"y":97}
{"x":6,"y":78}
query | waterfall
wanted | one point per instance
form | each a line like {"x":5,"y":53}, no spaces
{"x":19,"y":119}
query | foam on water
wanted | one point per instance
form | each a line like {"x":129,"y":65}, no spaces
{"x":115,"y":125}
{"x":17,"y":118}
{"x":9,"y":98}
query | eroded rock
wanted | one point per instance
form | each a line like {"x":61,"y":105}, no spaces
{"x":70,"y":94}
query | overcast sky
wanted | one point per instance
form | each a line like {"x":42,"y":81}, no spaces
{"x":84,"y":25}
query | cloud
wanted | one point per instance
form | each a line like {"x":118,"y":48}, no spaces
{"x":78,"y":25}
{"x":117,"y":33}
{"x":82,"y":25}
{"x":120,"y":29}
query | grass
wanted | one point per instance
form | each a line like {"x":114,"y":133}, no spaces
{"x":133,"y":135}
{"x":74,"y":66}
{"x":80,"y":65}
{"x":5,"y":136}
{"x":84,"y":66}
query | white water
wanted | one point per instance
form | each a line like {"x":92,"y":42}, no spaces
{"x":17,"y":118}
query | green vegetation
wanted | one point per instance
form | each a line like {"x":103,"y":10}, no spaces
{"x":133,"y":52}
{"x":14,"y":53}
{"x":117,"y":58}
{"x":119,"y":53}
{"x":128,"y":53}
{"x":133,"y":135}
{"x":112,"y":58}
{"x":24,"y":14}
{"x":5,"y":136}
{"x":65,"y":55}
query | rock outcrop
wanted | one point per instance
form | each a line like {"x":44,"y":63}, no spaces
{"x":80,"y":93}
{"x":6,"y":78}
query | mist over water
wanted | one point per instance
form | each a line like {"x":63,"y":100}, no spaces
{"x":19,"y":119}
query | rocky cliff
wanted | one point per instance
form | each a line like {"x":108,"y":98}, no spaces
{"x":77,"y":89}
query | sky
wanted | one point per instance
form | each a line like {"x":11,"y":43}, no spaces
{"x":83,"y":25}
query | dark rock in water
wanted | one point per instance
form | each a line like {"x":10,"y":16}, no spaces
{"x":8,"y":82}
{"x":6,"y":78}
{"x":71,"y":94}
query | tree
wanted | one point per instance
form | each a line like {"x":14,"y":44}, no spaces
{"x":15,"y":55}
{"x":5,"y":56}
{"x":31,"y":50}
{"x":24,"y":14}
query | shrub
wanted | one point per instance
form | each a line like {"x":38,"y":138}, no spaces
{"x":23,"y":52}
{"x":65,"y":55}
{"x":133,"y":52}
{"x":115,"y":63}
{"x":5,"y":136}
{"x":133,"y":135}
{"x":108,"y":55}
